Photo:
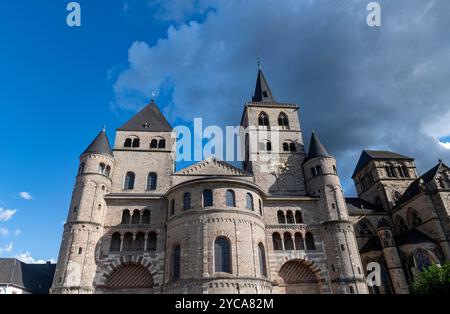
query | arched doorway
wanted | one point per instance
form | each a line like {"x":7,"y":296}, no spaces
{"x":129,"y":278}
{"x":299,"y":277}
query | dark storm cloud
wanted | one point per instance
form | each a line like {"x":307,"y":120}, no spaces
{"x":358,"y":87}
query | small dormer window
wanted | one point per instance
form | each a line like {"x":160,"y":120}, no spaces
{"x":146,"y":125}
{"x":265,"y":95}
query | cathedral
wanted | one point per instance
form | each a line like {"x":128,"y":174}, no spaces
{"x":138,"y":225}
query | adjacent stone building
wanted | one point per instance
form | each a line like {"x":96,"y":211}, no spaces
{"x":279,"y":224}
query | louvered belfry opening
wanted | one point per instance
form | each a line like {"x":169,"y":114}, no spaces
{"x":130,"y":276}
{"x":297,"y":272}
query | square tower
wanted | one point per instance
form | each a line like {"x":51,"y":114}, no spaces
{"x":381,"y":177}
{"x":274,"y":149}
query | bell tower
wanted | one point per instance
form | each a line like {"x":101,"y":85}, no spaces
{"x":274,"y":150}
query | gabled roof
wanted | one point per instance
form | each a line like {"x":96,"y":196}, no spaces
{"x":413,"y":236}
{"x":263,"y":93}
{"x":368,"y":155}
{"x":316,"y":148}
{"x":356,"y":204}
{"x":373,"y":244}
{"x":149,"y":119}
{"x":212,"y":167}
{"x":34,"y":278}
{"x":414,"y":187}
{"x":100,"y":145}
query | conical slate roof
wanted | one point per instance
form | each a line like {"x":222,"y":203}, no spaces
{"x":263,"y":93}
{"x":316,"y":148}
{"x":149,"y":119}
{"x":100,"y":145}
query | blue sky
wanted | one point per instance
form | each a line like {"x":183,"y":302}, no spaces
{"x":357,"y":87}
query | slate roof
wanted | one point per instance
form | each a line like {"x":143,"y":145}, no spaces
{"x":316,"y":148}
{"x":100,"y":145}
{"x":263,"y":93}
{"x":368,"y":155}
{"x":149,"y":119}
{"x":34,"y":278}
{"x":413,"y":236}
{"x":373,"y":244}
{"x":414,"y":187}
{"x":355,"y":204}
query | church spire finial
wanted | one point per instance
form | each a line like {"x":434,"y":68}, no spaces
{"x":104,"y":129}
{"x":258,"y":61}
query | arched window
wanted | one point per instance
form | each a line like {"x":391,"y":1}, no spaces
{"x":222,"y":255}
{"x":136,"y":218}
{"x":162,"y":144}
{"x":335,"y":171}
{"x":129,"y":181}
{"x":352,"y":290}
{"x":397,"y":196}
{"x":298,"y":217}
{"x":405,"y":171}
{"x":127,"y":242}
{"x":231,"y":198}
{"x":285,"y":147}
{"x":152,"y":181}
{"x":413,"y":218}
{"x":292,"y":147}
{"x":388,"y":171}
{"x":115,"y":242}
{"x":263,"y":119}
{"x":176,"y":263}
{"x":422,"y":260}
{"x":101,"y":168}
{"x":81,"y":169}
{"x":154,"y":143}
{"x":262,"y":260}
{"x":260,"y":208}
{"x":207,"y":198}
{"x":313,"y":172}
{"x":319,"y":170}
{"x":186,"y":201}
{"x":299,"y":245}
{"x":151,"y":241}
{"x":283,"y":121}
{"x":128,"y":142}
{"x":290,"y":217}
{"x":400,"y":171}
{"x":309,"y":239}
{"x":281,"y":217}
{"x":400,"y":225}
{"x":136,"y":142}
{"x":139,"y":242}
{"x":288,"y":243}
{"x":249,"y":202}
{"x":108,"y":171}
{"x":268,"y":146}
{"x":146,"y":217}
{"x":172,"y":207}
{"x":393,"y":172}
{"x":126,"y":217}
{"x":276,"y":241}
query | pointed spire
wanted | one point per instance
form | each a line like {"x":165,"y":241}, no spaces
{"x":316,"y":148}
{"x":100,"y":145}
{"x":262,"y":89}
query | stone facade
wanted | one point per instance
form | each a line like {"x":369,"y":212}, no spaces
{"x":281,"y":224}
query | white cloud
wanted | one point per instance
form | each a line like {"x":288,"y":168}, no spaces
{"x":17,"y":232}
{"x":7,"y":214}
{"x":4,"y":232}
{"x":26,"y":196}
{"x":27,"y":258}
{"x":359,"y":87}
{"x":7,"y":248}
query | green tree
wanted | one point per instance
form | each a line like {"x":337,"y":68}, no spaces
{"x":433,"y":280}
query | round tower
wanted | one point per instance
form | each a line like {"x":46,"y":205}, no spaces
{"x":337,"y":233}
{"x":84,"y":227}
{"x":392,"y":257}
